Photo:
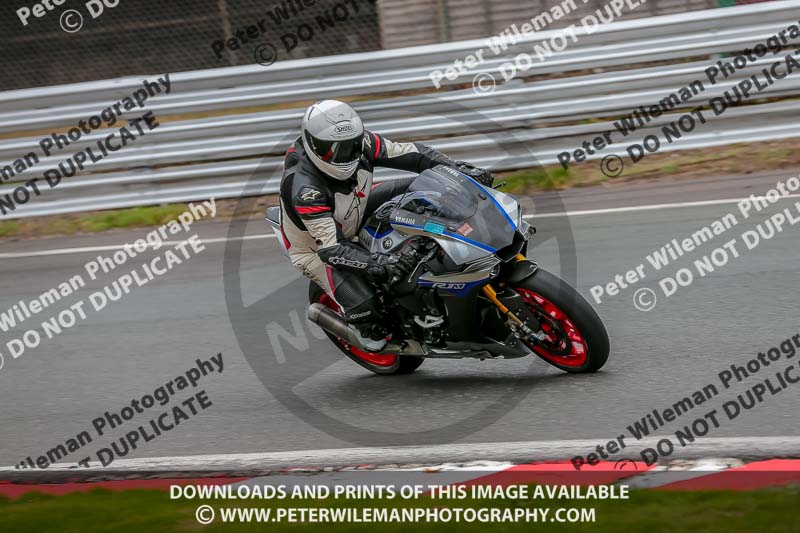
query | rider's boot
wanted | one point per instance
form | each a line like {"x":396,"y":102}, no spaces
{"x":372,"y":336}
{"x":361,"y":309}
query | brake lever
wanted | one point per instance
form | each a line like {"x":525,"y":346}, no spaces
{"x":500,"y":185}
{"x":425,"y":259}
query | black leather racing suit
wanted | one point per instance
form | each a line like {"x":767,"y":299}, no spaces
{"x":320,"y":217}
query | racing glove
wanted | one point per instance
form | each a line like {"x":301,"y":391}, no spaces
{"x":385,"y":268}
{"x":391,"y":268}
{"x":481,"y":175}
{"x":378,"y":268}
{"x":404,"y":262}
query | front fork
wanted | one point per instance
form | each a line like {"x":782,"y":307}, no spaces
{"x":515,"y":323}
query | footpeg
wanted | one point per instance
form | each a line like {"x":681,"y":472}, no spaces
{"x":429,"y":321}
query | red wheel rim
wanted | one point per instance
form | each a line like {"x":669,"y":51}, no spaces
{"x":569,"y":346}
{"x":382,"y":360}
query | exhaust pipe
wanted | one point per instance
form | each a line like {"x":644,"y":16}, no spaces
{"x":333,"y":324}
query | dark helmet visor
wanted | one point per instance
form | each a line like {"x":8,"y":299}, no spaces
{"x":336,"y":152}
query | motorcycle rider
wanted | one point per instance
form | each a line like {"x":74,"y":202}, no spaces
{"x":326,"y":195}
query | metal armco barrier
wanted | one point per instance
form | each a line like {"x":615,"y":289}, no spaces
{"x":193,"y":159}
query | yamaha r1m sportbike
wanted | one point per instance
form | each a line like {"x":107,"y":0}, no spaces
{"x":472,"y":294}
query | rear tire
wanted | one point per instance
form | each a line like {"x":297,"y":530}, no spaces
{"x":577,"y":339}
{"x":384,"y":365}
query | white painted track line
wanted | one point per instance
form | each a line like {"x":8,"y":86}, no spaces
{"x":114,"y":247}
{"x":515,"y":452}
{"x":651,"y":207}
{"x":612,"y":210}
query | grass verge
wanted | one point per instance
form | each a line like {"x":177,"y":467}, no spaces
{"x":768,"y":510}
{"x":91,"y":222}
{"x":727,"y":160}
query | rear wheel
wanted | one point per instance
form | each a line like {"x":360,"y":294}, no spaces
{"x":576,"y":339}
{"x":383,"y":364}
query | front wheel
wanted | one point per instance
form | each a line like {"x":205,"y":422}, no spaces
{"x":576,"y":339}
{"x":382,"y":364}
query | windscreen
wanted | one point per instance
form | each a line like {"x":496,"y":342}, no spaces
{"x":443,"y":201}
{"x":440,"y":195}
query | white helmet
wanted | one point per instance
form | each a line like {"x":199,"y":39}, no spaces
{"x":333,"y":137}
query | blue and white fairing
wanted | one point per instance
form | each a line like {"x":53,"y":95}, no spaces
{"x":469,"y":221}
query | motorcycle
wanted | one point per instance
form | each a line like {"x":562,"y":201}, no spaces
{"x":473,"y":292}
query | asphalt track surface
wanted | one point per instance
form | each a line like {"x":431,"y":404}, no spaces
{"x":155,"y":333}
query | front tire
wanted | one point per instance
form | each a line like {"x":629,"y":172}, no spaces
{"x":577,"y":340}
{"x":381,"y":364}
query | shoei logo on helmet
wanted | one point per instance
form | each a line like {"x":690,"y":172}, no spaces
{"x":344,"y":127}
